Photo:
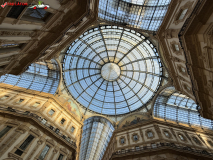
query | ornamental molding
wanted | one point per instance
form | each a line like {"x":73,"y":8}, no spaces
{"x":55,"y":150}
{"x":22,"y":129}
{"x":146,"y":133}
{"x":172,"y":46}
{"x":33,"y":102}
{"x":13,"y":123}
{"x":122,"y":137}
{"x":207,"y":57}
{"x":135,"y":133}
{"x":14,"y":156}
{"x":47,"y":113}
{"x":35,"y":132}
{"x":170,"y":135}
{"x":64,"y":150}
{"x":15,"y":33}
{"x":199,"y":142}
{"x":179,"y":67}
{"x":170,"y":33}
{"x":51,"y":142}
{"x":184,"y":138}
{"x":187,"y":5}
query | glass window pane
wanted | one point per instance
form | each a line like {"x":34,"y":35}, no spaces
{"x":44,"y":152}
{"x":26,"y":143}
{"x":4,"y":131}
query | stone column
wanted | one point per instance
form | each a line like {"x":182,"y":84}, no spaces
{"x":55,"y":151}
{"x":39,"y":143}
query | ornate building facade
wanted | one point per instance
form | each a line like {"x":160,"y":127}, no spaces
{"x":106,"y":79}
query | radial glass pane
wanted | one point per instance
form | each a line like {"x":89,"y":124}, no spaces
{"x":116,"y":79}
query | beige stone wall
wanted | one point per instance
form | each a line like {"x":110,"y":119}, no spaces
{"x":175,"y":57}
{"x":42,"y":110}
{"x":158,"y":128}
{"x":12,"y":140}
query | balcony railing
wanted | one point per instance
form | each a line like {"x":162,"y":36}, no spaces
{"x":40,"y":120}
{"x":164,"y":146}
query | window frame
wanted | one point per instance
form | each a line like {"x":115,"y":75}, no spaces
{"x":147,"y":134}
{"x":5,"y":133}
{"x":47,"y":145}
{"x":19,"y":149}
{"x":181,"y":135}
{"x":3,"y":99}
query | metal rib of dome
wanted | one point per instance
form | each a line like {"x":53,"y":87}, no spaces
{"x":112,"y":70}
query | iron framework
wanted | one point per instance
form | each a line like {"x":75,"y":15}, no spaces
{"x":40,"y":76}
{"x":140,"y":14}
{"x":96,"y":135}
{"x":171,"y":105}
{"x":140,"y":70}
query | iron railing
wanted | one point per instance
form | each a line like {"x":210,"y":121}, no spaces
{"x":164,"y":146}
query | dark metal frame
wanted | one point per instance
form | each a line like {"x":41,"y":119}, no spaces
{"x":37,"y":77}
{"x":71,"y":71}
{"x":189,"y":114}
{"x":146,"y":16}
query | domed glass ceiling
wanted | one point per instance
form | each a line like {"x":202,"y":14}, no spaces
{"x":112,"y":70}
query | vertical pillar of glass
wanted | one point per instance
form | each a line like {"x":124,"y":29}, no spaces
{"x":97,"y":132}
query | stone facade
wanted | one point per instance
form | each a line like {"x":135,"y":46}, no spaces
{"x":29,"y":114}
{"x":159,"y":140}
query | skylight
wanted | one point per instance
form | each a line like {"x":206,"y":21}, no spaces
{"x":40,"y":76}
{"x":141,"y":14}
{"x":112,"y":70}
{"x":173,"y":106}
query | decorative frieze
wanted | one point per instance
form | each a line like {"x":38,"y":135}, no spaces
{"x":170,"y":33}
{"x":8,"y":33}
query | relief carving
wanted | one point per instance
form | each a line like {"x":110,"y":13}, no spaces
{"x":209,"y":84}
{"x":52,"y":142}
{"x":170,"y":33}
{"x":178,"y":50}
{"x":16,"y":33}
{"x":159,"y":158}
{"x":207,"y":57}
{"x":36,"y":132}
{"x":188,"y":6}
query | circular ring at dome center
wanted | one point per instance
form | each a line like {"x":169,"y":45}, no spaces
{"x":110,"y":71}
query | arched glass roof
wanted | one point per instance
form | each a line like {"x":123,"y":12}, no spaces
{"x":112,"y":70}
{"x":141,"y":14}
{"x":174,"y":106}
{"x":40,"y":76}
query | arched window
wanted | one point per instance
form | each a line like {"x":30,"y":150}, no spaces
{"x":174,"y":106}
{"x":40,"y":76}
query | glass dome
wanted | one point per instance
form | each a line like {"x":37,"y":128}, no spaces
{"x":112,"y":70}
